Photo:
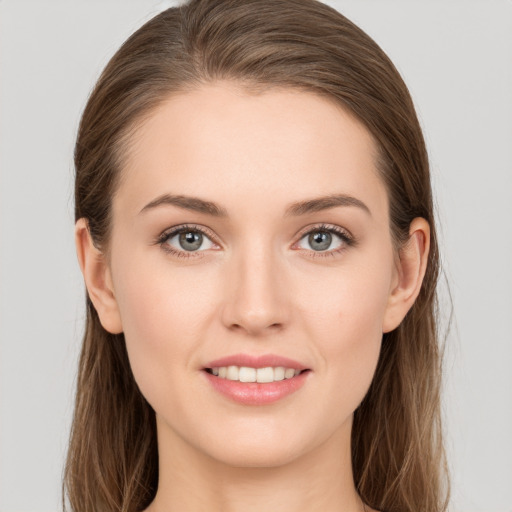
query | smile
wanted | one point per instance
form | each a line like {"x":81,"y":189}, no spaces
{"x":249,"y":374}
{"x":256,"y":380}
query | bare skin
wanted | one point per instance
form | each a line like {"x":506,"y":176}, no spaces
{"x":319,"y":284}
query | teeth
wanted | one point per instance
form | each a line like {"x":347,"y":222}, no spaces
{"x":289,"y":373}
{"x":233,"y":373}
{"x":265,"y":375}
{"x":279,"y":373}
{"x":248,"y":374}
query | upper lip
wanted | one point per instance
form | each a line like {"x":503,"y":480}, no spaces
{"x":262,"y":361}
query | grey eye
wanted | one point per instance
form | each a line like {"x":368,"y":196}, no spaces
{"x":320,"y":240}
{"x":189,"y":241}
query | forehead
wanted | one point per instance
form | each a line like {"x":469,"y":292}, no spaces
{"x":222,"y":142}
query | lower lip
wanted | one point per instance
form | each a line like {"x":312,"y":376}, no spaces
{"x":256,"y":393}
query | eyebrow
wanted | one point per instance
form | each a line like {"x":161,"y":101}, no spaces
{"x":324,"y":203}
{"x":187,"y":203}
{"x":295,"y":209}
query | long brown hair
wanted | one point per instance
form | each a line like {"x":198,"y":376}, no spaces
{"x":397,"y":449}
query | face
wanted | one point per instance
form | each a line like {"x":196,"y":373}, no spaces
{"x":252,"y":231}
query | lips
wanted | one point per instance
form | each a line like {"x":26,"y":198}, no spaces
{"x":256,"y":380}
{"x":263,"y":361}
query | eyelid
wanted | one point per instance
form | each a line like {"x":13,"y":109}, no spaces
{"x":184,"y":227}
{"x":322,"y":226}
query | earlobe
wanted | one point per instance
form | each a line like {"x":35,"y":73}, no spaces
{"x":412,"y":265}
{"x":97,"y":278}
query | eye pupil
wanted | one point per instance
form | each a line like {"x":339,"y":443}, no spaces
{"x":320,"y":240}
{"x":191,"y":240}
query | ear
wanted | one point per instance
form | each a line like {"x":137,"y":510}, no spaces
{"x":411,"y":267}
{"x":97,"y":277}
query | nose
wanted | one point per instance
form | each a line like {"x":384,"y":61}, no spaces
{"x":256,"y":301}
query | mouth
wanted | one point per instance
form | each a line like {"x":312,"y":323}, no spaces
{"x":256,"y":380}
{"x":249,"y":374}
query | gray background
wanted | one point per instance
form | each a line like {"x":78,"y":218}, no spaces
{"x":456,"y":56}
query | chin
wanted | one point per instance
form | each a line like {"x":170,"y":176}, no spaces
{"x":262,"y":447}
{"x":258,"y":456}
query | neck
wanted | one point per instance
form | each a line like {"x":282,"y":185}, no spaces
{"x":190,"y":480}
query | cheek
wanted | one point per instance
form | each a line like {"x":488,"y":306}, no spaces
{"x":163,"y":314}
{"x":349,"y":302}
{"x":345,"y":317}
{"x":156,"y":301}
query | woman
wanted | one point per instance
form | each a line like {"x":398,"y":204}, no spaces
{"x":255,"y":230}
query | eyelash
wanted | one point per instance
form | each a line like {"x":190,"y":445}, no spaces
{"x":167,"y":235}
{"x":347,"y":239}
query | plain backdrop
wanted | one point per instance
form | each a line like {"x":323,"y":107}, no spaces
{"x":456,"y":57}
